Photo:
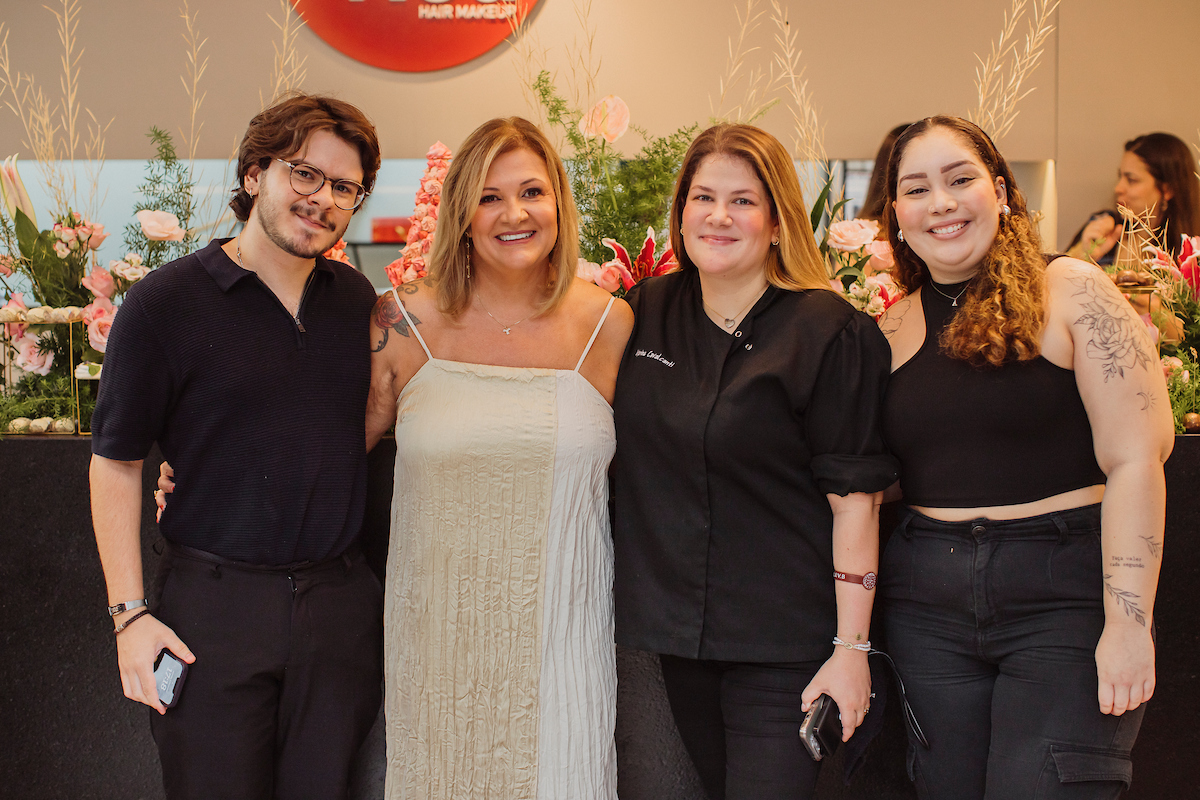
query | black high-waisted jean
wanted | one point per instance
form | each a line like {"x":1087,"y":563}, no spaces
{"x":994,"y":626}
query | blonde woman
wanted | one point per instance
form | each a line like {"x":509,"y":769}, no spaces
{"x":748,"y":464}
{"x":498,"y":371}
{"x":1031,"y":420}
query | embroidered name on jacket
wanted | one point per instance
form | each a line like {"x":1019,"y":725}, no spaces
{"x":653,"y":355}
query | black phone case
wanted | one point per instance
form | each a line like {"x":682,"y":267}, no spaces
{"x":821,"y":731}
{"x":177,"y":686}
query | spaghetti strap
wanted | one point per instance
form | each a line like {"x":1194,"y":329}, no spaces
{"x":411,"y":324}
{"x":595,"y":333}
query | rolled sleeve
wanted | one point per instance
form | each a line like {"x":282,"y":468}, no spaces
{"x":844,"y":416}
{"x":135,"y":388}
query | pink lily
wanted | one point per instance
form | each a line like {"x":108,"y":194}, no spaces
{"x":644,"y":266}
{"x":12,"y":190}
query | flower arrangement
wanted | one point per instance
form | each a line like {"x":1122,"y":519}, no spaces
{"x":619,"y":274}
{"x":1185,"y":404}
{"x":411,"y":264}
{"x":618,"y":197}
{"x":860,"y":264}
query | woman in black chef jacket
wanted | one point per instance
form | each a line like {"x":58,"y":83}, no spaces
{"x":749,"y":458}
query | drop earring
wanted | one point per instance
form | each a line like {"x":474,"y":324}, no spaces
{"x":468,"y":257}
{"x":900,"y":234}
{"x":1005,"y":210}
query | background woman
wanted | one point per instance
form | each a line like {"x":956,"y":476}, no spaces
{"x":748,"y":458}
{"x":876,"y":198}
{"x":1031,"y":420}
{"x":1157,"y":171}
{"x":498,"y":370}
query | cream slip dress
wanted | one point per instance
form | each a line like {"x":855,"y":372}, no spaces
{"x":500,"y":666}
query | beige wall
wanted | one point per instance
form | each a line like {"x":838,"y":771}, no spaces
{"x":1106,"y":75}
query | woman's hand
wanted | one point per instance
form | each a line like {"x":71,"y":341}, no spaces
{"x":1125,"y":667}
{"x":165,"y":487}
{"x":846,"y":677}
{"x":1099,"y":236}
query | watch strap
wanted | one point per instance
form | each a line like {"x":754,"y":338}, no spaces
{"x":868,"y":581}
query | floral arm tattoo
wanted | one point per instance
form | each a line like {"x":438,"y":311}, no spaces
{"x":387,"y":314}
{"x":891,"y":323}
{"x":1115,"y":339}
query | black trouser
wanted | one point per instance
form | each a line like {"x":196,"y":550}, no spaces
{"x":741,"y":726}
{"x":994,"y":626}
{"x":287,"y":679}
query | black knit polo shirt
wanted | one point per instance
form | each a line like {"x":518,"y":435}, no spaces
{"x":262,"y":418}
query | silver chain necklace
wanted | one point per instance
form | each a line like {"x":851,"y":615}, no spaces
{"x":504,"y":327}
{"x":731,"y":321}
{"x":953,"y":298}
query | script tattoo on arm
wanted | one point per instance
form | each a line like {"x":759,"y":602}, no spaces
{"x":387,"y":315}
{"x":1126,"y":600}
{"x":1115,"y":338}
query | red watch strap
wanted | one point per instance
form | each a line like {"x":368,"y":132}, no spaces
{"x":868,"y":580}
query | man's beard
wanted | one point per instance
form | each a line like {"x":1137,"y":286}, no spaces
{"x":301,"y":246}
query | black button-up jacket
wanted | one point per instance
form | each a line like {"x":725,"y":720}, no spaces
{"x":726,"y":448}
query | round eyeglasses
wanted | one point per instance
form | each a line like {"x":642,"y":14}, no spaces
{"x":307,"y":179}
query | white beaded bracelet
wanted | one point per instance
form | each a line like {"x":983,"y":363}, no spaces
{"x":865,"y":647}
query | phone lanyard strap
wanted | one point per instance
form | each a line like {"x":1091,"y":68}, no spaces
{"x":910,"y":717}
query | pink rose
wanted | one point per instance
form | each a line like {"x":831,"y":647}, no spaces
{"x":30,"y":358}
{"x":608,"y":118}
{"x":100,"y":282}
{"x":438,"y":152}
{"x":61,"y":249}
{"x":429,"y":224}
{"x":15,"y":329}
{"x":160,"y":226}
{"x":67,"y":235}
{"x":849,"y":235}
{"x":395,"y":272}
{"x":96,"y":238}
{"x":608,"y":276}
{"x":100,"y":309}
{"x":881,"y":256}
{"x":98,"y":333}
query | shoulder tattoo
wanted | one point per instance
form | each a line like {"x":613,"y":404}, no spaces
{"x":387,"y":316}
{"x":1115,"y":338}
{"x":890,"y":323}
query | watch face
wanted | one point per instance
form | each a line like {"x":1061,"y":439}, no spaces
{"x":869,"y":580}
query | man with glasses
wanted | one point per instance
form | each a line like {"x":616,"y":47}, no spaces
{"x":248,"y":363}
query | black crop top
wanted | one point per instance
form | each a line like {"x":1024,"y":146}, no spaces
{"x":984,"y":436}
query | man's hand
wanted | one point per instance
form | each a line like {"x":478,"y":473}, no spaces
{"x":138,"y":647}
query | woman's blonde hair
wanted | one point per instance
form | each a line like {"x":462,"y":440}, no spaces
{"x":1003,"y":313}
{"x":449,"y":261}
{"x":796,"y":263}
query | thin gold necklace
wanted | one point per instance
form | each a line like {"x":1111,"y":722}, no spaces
{"x":731,"y":321}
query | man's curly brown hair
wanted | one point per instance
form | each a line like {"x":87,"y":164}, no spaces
{"x":1003,"y":312}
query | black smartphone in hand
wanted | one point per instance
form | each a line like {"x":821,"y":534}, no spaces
{"x":821,"y":730}
{"x":169,"y":673}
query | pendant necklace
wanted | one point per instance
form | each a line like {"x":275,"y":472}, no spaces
{"x":506,"y":328}
{"x":729,"y":322}
{"x":953,"y":298}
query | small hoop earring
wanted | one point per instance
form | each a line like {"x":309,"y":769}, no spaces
{"x":900,"y":234}
{"x":775,"y":243}
{"x":1005,"y":210}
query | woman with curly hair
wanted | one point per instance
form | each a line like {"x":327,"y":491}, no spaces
{"x":1031,"y":421}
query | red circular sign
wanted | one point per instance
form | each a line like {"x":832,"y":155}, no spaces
{"x":413,"y":35}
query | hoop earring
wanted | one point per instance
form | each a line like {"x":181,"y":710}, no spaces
{"x":1005,"y":210}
